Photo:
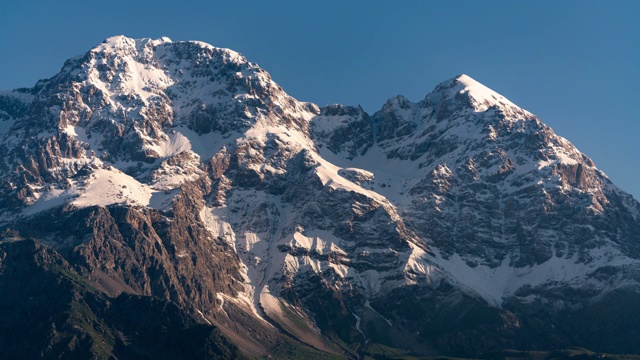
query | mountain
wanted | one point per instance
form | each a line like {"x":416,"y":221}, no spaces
{"x":158,"y":192}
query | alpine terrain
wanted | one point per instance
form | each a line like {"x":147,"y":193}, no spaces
{"x":165,"y":199}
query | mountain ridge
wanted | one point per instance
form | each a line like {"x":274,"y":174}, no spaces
{"x":182,"y":171}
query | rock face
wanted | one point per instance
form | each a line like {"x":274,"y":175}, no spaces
{"x":171,"y":190}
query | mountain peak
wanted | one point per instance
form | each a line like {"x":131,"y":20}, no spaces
{"x":464,"y":92}
{"x":126,"y":65}
{"x":465,"y":83}
{"x":121,"y":38}
{"x":124,"y":39}
{"x":120,"y":42}
{"x":123,"y":45}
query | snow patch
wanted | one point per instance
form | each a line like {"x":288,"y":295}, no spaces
{"x":112,"y":186}
{"x":483,"y":96}
{"x":496,"y":284}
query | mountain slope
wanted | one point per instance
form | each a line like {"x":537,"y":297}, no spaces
{"x":180,"y":172}
{"x":489,"y":184}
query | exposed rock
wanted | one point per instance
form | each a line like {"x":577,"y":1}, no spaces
{"x":173,"y":192}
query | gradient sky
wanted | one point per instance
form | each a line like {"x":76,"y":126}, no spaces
{"x":576,"y":64}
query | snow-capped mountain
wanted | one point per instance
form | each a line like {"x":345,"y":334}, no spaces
{"x":182,"y":173}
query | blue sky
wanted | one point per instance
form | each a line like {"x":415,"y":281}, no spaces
{"x":576,"y":64}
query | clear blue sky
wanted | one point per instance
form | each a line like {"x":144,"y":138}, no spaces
{"x":576,"y":64}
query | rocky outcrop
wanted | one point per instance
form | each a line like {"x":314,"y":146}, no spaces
{"x":50,"y":310}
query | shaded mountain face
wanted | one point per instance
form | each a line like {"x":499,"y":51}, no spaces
{"x":180,"y":178}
